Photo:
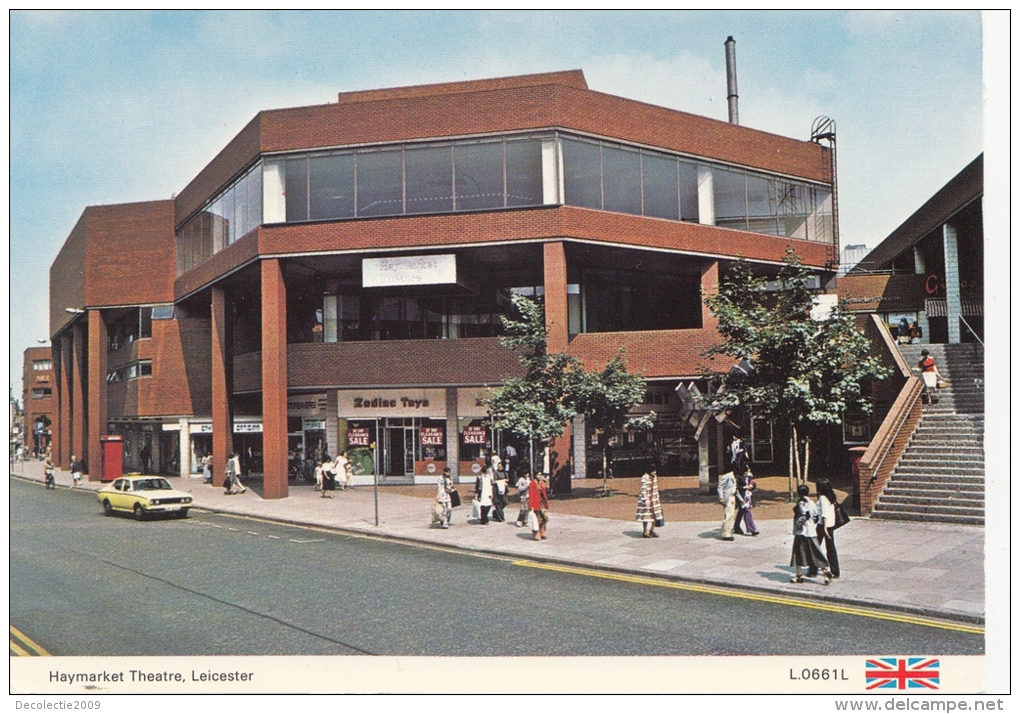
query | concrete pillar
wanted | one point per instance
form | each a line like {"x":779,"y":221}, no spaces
{"x":334,"y":443}
{"x":185,"y":449}
{"x":62,"y":360}
{"x":951,"y":258}
{"x":706,"y":196}
{"x":704,"y":481}
{"x":274,"y":379}
{"x":452,"y":434}
{"x":919,"y":268}
{"x":97,"y":393}
{"x":79,"y":417}
{"x":580,"y":448}
{"x":222,"y":415}
{"x":922,"y":322}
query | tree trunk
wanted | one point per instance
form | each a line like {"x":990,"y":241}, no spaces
{"x":807,"y":456}
{"x":796,"y":456}
{"x":793,"y":447}
{"x":605,"y":471}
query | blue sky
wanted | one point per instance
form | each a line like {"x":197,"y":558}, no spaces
{"x":129,"y":106}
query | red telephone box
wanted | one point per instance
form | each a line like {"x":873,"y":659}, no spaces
{"x":113,"y":457}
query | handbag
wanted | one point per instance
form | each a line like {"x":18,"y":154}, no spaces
{"x":454,"y":498}
{"x":941,"y":383}
{"x":660,"y":522}
{"x":841,"y":516}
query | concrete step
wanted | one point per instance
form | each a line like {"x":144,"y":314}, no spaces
{"x":964,"y":499}
{"x":936,"y":471}
{"x":958,"y":510}
{"x":925,"y":480}
{"x":890,"y":515}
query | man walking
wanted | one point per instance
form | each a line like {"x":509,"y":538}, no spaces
{"x":76,"y":469}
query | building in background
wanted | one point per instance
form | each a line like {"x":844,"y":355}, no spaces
{"x":333,"y":280}
{"x":850,"y":256}
{"x":930,"y":269}
{"x":38,"y":398}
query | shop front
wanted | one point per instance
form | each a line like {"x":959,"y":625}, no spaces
{"x":399,"y":434}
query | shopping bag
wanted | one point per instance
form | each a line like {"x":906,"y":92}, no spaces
{"x":476,"y":510}
{"x":454,"y":498}
{"x":532,"y":520}
{"x":438,"y":513}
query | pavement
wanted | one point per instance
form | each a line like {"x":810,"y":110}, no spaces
{"x":933,"y":570}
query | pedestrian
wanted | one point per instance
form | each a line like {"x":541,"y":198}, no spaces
{"x":146,"y":457}
{"x":806,"y":553}
{"x":738,"y":453}
{"x":915,"y":333}
{"x":649,"y":508}
{"x":538,"y":503}
{"x":745,"y":493}
{"x":328,"y":476}
{"x":343,"y":470}
{"x":511,"y":458}
{"x":233,"y":469}
{"x":76,"y":467}
{"x":443,"y":488}
{"x":522,"y":492}
{"x":903,"y":331}
{"x":49,"y":474}
{"x":728,"y":498}
{"x":827,"y":523}
{"x":483,"y":494}
{"x":930,"y":376}
{"x":207,"y":462}
{"x":500,"y":488}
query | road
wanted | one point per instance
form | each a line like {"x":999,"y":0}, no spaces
{"x":82,"y":584}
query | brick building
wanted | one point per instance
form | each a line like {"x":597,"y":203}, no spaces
{"x":38,"y":400}
{"x":333,"y":279}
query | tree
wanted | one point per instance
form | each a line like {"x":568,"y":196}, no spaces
{"x":605,"y":398}
{"x":806,"y":372}
{"x":541,"y":403}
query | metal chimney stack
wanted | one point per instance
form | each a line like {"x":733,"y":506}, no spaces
{"x":731,"y":78}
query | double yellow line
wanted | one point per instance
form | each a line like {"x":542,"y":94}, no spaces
{"x":23,"y":646}
{"x":762,"y":597}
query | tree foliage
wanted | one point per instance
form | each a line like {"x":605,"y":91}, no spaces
{"x":806,"y":372}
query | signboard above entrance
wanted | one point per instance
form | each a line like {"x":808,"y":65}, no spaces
{"x":409,"y":270}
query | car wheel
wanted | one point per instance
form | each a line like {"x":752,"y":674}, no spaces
{"x":139,"y":512}
{"x":107,"y":508}
{"x":183,"y":513}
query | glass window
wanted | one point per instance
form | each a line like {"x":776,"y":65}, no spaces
{"x":689,"y":192}
{"x":792,"y":200}
{"x":42,"y":365}
{"x":331,"y":187}
{"x":162,"y":312}
{"x":730,"y":198}
{"x":42,"y":392}
{"x":582,"y":173}
{"x":380,"y":183}
{"x":219,"y":225}
{"x":329,"y":323}
{"x":254,"y":202}
{"x":479,"y":173}
{"x":296,"y":187}
{"x":761,"y":205}
{"x":429,"y":176}
{"x":230,"y":224}
{"x":621,"y":180}
{"x":145,"y":322}
{"x":524,"y":172}
{"x":145,"y":368}
{"x":659,"y":179}
{"x":820,"y":228}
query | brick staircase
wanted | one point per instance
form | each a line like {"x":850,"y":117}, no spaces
{"x":941,"y":475}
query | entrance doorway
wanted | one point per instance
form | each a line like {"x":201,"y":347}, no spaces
{"x":401,"y":438}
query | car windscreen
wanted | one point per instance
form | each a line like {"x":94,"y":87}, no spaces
{"x":153,"y":484}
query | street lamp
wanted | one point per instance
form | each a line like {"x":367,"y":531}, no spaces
{"x":74,"y":310}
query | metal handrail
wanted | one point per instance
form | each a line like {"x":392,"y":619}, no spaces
{"x":967,"y":324}
{"x":898,"y":415}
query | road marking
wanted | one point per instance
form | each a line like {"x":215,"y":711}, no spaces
{"x":314,"y":540}
{"x":236,"y":530}
{"x":252,"y":533}
{"x":761,"y":597}
{"x":274,"y":537}
{"x":30,"y":649}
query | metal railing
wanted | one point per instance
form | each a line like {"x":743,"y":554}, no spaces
{"x":967,"y":325}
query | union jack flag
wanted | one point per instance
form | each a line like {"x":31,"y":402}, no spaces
{"x":902,"y":673}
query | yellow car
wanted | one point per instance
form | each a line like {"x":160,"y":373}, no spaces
{"x":143,"y":496}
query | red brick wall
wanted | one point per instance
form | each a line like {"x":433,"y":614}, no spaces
{"x":660,"y":353}
{"x":67,"y":278}
{"x":882,"y":293}
{"x":34,"y":408}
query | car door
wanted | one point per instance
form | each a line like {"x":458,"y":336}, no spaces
{"x":116,"y":496}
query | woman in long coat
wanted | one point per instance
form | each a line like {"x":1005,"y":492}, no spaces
{"x":649,"y":509}
{"x":483,"y":494}
{"x":806,"y":553}
{"x":827,"y":520}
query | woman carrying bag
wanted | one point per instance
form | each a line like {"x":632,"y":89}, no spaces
{"x":649,"y":508}
{"x":828,"y":522}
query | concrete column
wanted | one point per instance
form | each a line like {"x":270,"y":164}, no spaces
{"x":185,"y":449}
{"x":706,"y":196}
{"x":922,"y":322}
{"x":63,"y":360}
{"x":333,"y":440}
{"x":556,"y":313}
{"x":452,"y":434}
{"x":951,"y":258}
{"x":704,"y":481}
{"x":79,"y":417}
{"x":919,"y":268}
{"x":274,"y":379}
{"x":580,"y":448}
{"x":222,"y":416}
{"x":97,"y":393}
